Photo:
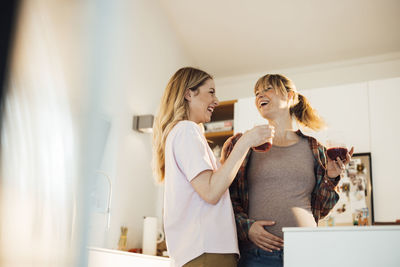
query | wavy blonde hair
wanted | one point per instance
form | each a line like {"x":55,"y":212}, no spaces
{"x":301,"y":109}
{"x":173,"y":108}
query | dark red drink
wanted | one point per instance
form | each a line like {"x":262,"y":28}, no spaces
{"x":263,"y":148}
{"x":335,"y":152}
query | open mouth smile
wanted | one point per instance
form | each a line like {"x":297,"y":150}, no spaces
{"x":263,"y":103}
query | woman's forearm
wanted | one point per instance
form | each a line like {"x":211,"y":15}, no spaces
{"x":212,"y":185}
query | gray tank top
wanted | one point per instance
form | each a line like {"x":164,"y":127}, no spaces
{"x":280,"y":185}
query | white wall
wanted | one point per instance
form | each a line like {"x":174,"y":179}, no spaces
{"x":316,"y":76}
{"x":134,"y":52}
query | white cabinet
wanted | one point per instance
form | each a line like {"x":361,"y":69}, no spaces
{"x":99,"y":257}
{"x":246,"y":115}
{"x":345,"y":111}
{"x":367,"y":246}
{"x":384,"y":102}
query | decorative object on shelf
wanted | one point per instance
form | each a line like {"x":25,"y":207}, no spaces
{"x":218,"y":126}
{"x":217,"y":151}
{"x":135,"y":250}
{"x":143,"y":123}
{"x":123,"y":238}
{"x":355,"y":205}
{"x":162,"y":249}
{"x":331,"y":221}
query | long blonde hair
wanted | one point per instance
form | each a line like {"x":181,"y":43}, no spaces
{"x":301,"y":109}
{"x":173,"y":108}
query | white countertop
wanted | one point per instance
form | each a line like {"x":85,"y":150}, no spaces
{"x":131,"y":254}
{"x":342,"y":228}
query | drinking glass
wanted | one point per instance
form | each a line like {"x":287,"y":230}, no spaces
{"x":264,"y":147}
{"x":336,"y":149}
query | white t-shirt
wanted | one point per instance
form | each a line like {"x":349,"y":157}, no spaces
{"x":192,"y":226}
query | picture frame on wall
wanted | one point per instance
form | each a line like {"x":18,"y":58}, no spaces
{"x":355,"y":189}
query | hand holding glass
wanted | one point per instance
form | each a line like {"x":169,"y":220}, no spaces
{"x":336,"y":149}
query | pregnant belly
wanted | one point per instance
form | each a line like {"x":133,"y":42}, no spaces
{"x":292,"y":217}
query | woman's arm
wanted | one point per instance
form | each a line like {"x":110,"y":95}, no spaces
{"x":239,"y":201}
{"x":324,"y":196}
{"x":212,"y":185}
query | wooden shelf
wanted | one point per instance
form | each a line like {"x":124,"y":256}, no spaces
{"x":397,"y":222}
{"x":224,"y":111}
{"x":219,"y":134}
{"x":227,"y":103}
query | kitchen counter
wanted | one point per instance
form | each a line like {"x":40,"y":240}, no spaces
{"x":366,"y":246}
{"x":101,"y":257}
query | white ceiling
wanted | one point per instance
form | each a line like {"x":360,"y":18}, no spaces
{"x":233,"y":37}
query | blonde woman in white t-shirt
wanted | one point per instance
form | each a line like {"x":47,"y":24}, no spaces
{"x":198,"y":217}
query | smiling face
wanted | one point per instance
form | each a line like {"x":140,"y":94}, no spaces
{"x":202,"y":102}
{"x":271,"y":103}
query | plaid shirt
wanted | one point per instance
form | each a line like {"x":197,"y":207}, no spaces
{"x":323,"y":197}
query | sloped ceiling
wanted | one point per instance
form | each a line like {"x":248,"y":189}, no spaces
{"x":233,"y":37}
